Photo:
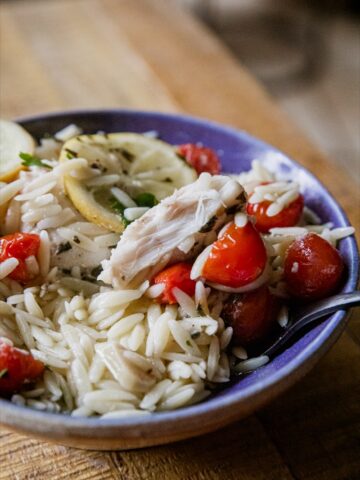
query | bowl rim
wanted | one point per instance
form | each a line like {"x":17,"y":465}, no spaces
{"x":282,"y":378}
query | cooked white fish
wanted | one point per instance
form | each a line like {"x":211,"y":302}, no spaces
{"x":174,"y":230}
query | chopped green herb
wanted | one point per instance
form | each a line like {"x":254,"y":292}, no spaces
{"x":63,"y":247}
{"x":146,"y":200}
{"x":209,"y":225}
{"x":119,"y":208}
{"x":116,"y":205}
{"x":188,"y":343}
{"x":3,"y":372}
{"x":29,"y":160}
{"x":168,"y":180}
{"x":71,"y":153}
{"x":76,"y":239}
{"x":66,"y":271}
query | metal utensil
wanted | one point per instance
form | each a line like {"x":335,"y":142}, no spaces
{"x":301,"y":317}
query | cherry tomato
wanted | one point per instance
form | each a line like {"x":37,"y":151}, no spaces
{"x":177,"y":275}
{"x":251,"y":315}
{"x":288,"y":217}
{"x":313,"y":268}
{"x":19,"y":246}
{"x":203,"y":159}
{"x":16,"y":368}
{"x":237,"y":258}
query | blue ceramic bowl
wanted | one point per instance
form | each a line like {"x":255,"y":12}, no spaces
{"x":237,"y":149}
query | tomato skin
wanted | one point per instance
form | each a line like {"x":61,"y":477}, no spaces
{"x":19,"y":246}
{"x":203,"y":159}
{"x":319,"y":269}
{"x":177,"y":275}
{"x":237,"y":258}
{"x":251,"y":315}
{"x":288,"y":217}
{"x":19,"y":367}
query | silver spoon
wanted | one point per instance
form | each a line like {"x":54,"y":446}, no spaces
{"x":303,"y":316}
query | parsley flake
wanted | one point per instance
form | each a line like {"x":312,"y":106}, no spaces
{"x":119,"y":208}
{"x":29,"y":160}
{"x":146,"y":200}
{"x":63,"y":247}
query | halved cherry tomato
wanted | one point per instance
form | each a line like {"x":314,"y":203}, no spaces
{"x":19,"y":246}
{"x":203,"y":159}
{"x":237,"y":258}
{"x":177,"y":275}
{"x":16,"y":368}
{"x":313,"y":268}
{"x":288,"y":217}
{"x":251,"y":315}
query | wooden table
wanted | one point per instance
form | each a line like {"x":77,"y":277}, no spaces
{"x":148,"y":54}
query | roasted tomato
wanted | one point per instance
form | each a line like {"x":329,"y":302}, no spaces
{"x":177,"y":275}
{"x":251,"y":315}
{"x":202,"y":159}
{"x":313,"y":268}
{"x":16,"y":368}
{"x":19,"y":246}
{"x":237,"y":258}
{"x":288,"y":217}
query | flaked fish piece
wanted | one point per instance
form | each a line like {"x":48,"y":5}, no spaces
{"x":174,"y":230}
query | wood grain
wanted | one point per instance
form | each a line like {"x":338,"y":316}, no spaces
{"x":312,"y":432}
{"x":149,"y":54}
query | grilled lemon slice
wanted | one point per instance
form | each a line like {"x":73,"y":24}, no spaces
{"x":13,"y":140}
{"x":129,"y":162}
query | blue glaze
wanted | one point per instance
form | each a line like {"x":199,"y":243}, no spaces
{"x":236,"y":149}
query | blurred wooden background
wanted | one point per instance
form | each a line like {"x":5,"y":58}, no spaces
{"x":272,"y":37}
{"x":58,"y":54}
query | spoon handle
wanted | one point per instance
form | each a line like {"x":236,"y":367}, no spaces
{"x":310,"y":313}
{"x":319,"y":309}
